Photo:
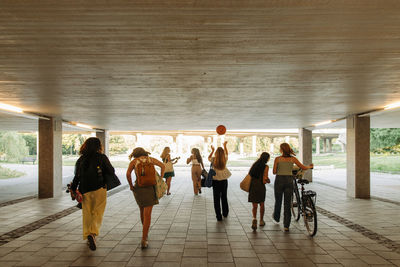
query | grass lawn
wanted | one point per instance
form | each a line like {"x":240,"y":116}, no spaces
{"x":379,"y":163}
{"x":6,"y":173}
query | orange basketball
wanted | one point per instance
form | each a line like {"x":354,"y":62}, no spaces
{"x":221,"y":130}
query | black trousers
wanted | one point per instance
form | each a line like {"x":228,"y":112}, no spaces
{"x":283,"y":187}
{"x":220,"y":190}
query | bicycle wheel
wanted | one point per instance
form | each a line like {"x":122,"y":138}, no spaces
{"x":310,"y":215}
{"x":296,"y":203}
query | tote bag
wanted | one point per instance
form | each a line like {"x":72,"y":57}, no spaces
{"x":245,"y":183}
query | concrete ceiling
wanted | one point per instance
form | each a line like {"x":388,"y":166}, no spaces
{"x":175,"y":65}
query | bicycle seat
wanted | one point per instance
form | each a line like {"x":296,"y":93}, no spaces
{"x":303,"y":181}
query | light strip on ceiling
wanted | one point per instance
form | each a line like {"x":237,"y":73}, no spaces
{"x":392,"y":106}
{"x":7,"y":107}
{"x":323,"y":123}
{"x":16,"y":111}
{"x":85,"y":126}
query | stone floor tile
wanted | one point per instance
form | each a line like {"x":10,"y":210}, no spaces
{"x":265,"y":264}
{"x":112,"y":264}
{"x":322,"y":258}
{"x":70,"y":256}
{"x":194,"y":262}
{"x":33,"y":261}
{"x":141,"y":261}
{"x":169,"y":256}
{"x":166,"y":264}
{"x":195,"y":244}
{"x":300,"y":262}
{"x":87,"y":261}
{"x":5,"y":250}
{"x":243,"y":253}
{"x":172,"y":248}
{"x":148,"y":252}
{"x":373,"y":259}
{"x":220,"y":264}
{"x":339,"y":254}
{"x":247,"y":262}
{"x":220,"y":257}
{"x":195,"y":252}
{"x":292,"y":254}
{"x":118,"y":256}
{"x":352,"y":262}
{"x":218,"y":248}
{"x":57,"y":264}
{"x":15,"y":256}
{"x":271,"y":258}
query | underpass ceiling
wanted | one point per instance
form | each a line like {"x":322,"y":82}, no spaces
{"x":177,"y":65}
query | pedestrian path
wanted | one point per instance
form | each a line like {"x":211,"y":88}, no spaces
{"x":184,"y":232}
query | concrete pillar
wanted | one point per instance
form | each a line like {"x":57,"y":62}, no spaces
{"x":205,"y":146}
{"x":358,"y":157}
{"x":222,"y":140}
{"x":305,"y":150}
{"x":105,"y":141}
{"x":138,"y":139}
{"x":329,"y":144}
{"x":215,"y":141}
{"x":179,"y":142}
{"x":318,"y":145}
{"x":272,"y":147}
{"x":50,"y":158}
{"x":241,"y":148}
{"x":254,"y":145}
{"x":324,"y":145}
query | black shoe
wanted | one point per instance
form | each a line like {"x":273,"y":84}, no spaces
{"x":91,"y":242}
{"x":199,"y":191}
{"x":219,"y":218}
{"x":226,"y":215}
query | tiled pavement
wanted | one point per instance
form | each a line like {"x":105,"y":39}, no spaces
{"x":185,"y":232}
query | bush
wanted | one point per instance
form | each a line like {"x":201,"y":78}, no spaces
{"x":13,"y":146}
{"x":6,"y":173}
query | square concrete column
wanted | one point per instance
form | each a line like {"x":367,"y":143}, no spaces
{"x":358,"y":157}
{"x":105,"y":141}
{"x":241,"y":147}
{"x":254,"y":145}
{"x":329,"y":144}
{"x":50,"y":158}
{"x":324,"y":145}
{"x":305,"y":150}
{"x":317,"y":145}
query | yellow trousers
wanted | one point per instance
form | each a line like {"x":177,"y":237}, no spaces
{"x":93,"y":206}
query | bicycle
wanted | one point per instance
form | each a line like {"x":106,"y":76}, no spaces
{"x":304,"y":205}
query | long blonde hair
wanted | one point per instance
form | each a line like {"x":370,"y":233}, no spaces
{"x":165,"y":152}
{"x":219,"y":159}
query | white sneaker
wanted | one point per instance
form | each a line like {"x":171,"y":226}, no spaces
{"x":273,"y":220}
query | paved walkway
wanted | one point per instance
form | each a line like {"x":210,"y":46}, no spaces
{"x":184,"y":232}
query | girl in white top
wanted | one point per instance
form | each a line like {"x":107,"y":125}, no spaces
{"x":197,"y":167}
{"x":220,"y":182}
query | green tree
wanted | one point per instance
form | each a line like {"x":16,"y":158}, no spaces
{"x":384,"y":140}
{"x":31,"y":142}
{"x":71,"y":143}
{"x":117,"y":145}
{"x":13,"y":146}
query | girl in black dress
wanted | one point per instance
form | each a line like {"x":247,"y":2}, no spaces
{"x":259,"y":177}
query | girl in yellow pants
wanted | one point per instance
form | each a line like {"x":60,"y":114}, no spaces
{"x":89,"y":180}
{"x":93,"y":206}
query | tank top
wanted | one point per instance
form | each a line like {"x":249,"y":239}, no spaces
{"x":284,"y":168}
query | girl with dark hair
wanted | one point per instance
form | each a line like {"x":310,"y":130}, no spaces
{"x":89,"y":180}
{"x":283,"y":186}
{"x":146,"y":196}
{"x":259,"y":177}
{"x":197,"y":167}
{"x":220,"y":180}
